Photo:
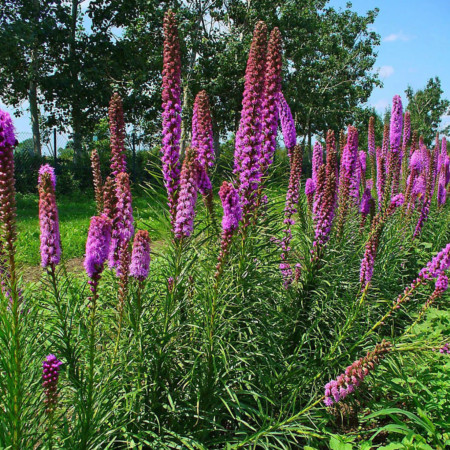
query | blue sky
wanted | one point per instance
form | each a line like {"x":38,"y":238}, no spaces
{"x":415,"y":42}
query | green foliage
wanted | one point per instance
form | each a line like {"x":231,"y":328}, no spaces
{"x":427,"y":108}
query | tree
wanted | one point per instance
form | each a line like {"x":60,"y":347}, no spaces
{"x":427,"y":108}
{"x":31,"y":35}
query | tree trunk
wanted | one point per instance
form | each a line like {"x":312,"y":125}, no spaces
{"x":34,"y":111}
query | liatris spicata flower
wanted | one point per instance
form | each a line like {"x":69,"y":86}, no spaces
{"x":202,"y":139}
{"x":430,"y":182}
{"x":317,"y":160}
{"x":354,"y":374}
{"x":185,"y":211}
{"x":326,"y":202}
{"x":372,"y":152}
{"x":247,"y":157}
{"x":445,"y":349}
{"x":97,"y":245}
{"x":439,"y":264}
{"x":364,"y":207}
{"x":48,"y":218}
{"x":342,"y":142}
{"x":371,"y":248}
{"x":310,"y":189}
{"x":385,"y":141}
{"x":140,"y":257}
{"x":171,"y":116}
{"x":381,"y":176}
{"x":109,"y":197}
{"x":122,"y":225}
{"x":292,"y":197}
{"x":362,"y":166}
{"x":7,"y":188}
{"x":97,"y":179}
{"x":50,"y":375}
{"x":395,"y":138}
{"x":433,"y":270}
{"x":287,"y":124}
{"x":442,"y":191}
{"x":272,"y":89}
{"x":348,"y":166}
{"x":406,"y":133}
{"x":117,"y":133}
{"x":439,"y":289}
{"x":232,"y":215}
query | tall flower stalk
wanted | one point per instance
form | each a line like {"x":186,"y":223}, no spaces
{"x":272,"y":90}
{"x":348,"y":166}
{"x":185,"y":211}
{"x":371,"y":248}
{"x":171,"y":116}
{"x":203,"y":143}
{"x":50,"y":376}
{"x":325,"y":203}
{"x":14,"y":377}
{"x":372,"y":154}
{"x":48,"y":218}
{"x":290,"y":209}
{"x":232,"y":215}
{"x":117,"y":135}
{"x":97,"y":180}
{"x":249,"y":138}
{"x":97,"y":249}
{"x":346,"y":383}
{"x":395,"y":140}
{"x":287,"y":124}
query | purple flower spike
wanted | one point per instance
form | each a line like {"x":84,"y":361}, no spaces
{"x":248,"y":153}
{"x":48,"y":218}
{"x":185,"y":212}
{"x":287,"y":124}
{"x":364,"y":207}
{"x":50,"y":376}
{"x":117,"y":132}
{"x":140,"y":257}
{"x":122,"y":226}
{"x":232,"y":215}
{"x":317,"y":160}
{"x":232,"y":212}
{"x":97,"y":245}
{"x":336,"y":390}
{"x":171,"y":116}
{"x":272,"y":89}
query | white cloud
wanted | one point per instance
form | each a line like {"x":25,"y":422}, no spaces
{"x":381,"y":105}
{"x":385,"y":71}
{"x":400,"y":36}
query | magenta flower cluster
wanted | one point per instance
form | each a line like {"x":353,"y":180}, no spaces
{"x":202,"y":140}
{"x":248,"y":153}
{"x":232,"y":212}
{"x":48,"y":218}
{"x":287,"y":124}
{"x":171,"y":116}
{"x":346,"y":383}
{"x":272,"y":89}
{"x":122,"y":226}
{"x":97,"y":245}
{"x":50,"y":376}
{"x":187,"y":198}
{"x":140,"y":256}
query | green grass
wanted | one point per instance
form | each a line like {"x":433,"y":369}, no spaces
{"x":75,"y":212}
